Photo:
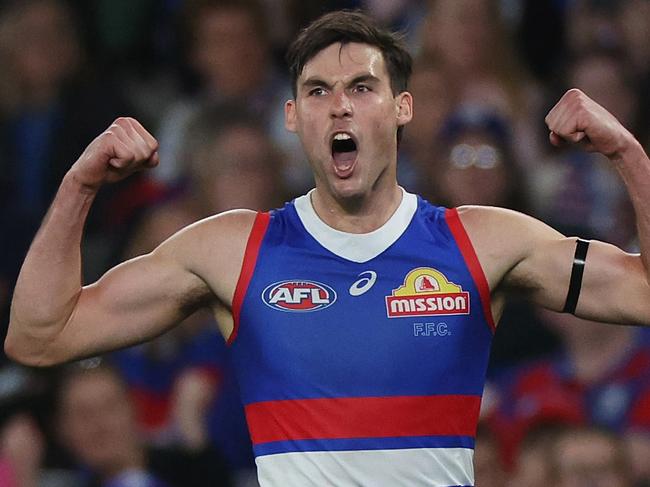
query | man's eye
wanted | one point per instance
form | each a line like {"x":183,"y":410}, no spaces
{"x":316,"y":91}
{"x":362,"y":88}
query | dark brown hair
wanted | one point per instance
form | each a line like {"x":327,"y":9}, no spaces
{"x":347,"y":26}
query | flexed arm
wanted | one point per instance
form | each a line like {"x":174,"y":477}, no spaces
{"x":49,"y":284}
{"x":518,"y":251}
{"x":576,"y":118}
{"x":53,"y":318}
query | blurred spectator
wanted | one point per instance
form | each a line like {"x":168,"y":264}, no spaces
{"x":41,"y":57}
{"x":470,"y":41}
{"x":637,"y":445}
{"x":97,"y":424}
{"x":488,"y":467}
{"x":589,"y":456}
{"x":533,"y":467}
{"x":51,"y":104}
{"x":622,"y":28}
{"x":403,"y":15}
{"x":634,"y":20}
{"x":601,"y":377}
{"x":230,"y":53}
{"x":229,"y":162}
{"x":175,"y":377}
{"x":433,"y":98}
{"x":477,"y":165}
{"x":592,"y":24}
{"x":21,"y":452}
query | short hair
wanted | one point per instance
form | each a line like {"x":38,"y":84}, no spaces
{"x":346,"y":26}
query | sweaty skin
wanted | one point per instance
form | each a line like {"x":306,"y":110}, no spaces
{"x":342,"y":89}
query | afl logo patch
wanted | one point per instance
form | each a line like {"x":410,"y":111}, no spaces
{"x":298,"y":296}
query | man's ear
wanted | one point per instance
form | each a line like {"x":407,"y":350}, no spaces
{"x":404,"y":108}
{"x":290,"y":117}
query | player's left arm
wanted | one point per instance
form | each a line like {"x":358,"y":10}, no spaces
{"x":522,"y":253}
{"x":615,"y":284}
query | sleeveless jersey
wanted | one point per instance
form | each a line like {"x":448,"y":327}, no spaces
{"x":361,"y":358}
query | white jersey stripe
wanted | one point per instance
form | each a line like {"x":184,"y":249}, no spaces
{"x":431,"y":467}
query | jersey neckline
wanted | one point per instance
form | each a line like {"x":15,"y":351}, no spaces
{"x":356,"y":247}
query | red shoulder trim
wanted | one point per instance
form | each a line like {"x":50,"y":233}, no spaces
{"x":248,"y":266}
{"x":471,"y":260}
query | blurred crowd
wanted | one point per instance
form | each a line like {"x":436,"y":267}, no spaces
{"x":567,"y":401}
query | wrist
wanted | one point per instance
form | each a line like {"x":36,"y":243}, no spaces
{"x":630,"y":152}
{"x":76,"y":183}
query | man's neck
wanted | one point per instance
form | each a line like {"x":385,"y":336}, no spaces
{"x":357,"y":215}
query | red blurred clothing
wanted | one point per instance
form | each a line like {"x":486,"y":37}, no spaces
{"x":549,"y":391}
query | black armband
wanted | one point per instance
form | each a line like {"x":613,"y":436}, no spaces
{"x":576,"y":276}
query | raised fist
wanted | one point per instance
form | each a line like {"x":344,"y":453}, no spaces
{"x":122,"y":149}
{"x":577,"y":118}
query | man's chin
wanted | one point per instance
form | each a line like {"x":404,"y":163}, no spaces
{"x":348,"y":190}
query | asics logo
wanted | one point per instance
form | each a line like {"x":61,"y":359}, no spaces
{"x":364,"y":283}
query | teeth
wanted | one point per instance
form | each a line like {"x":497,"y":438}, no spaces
{"x":342,"y":137}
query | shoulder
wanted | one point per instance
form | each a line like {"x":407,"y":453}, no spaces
{"x":504,"y":227}
{"x":212,"y":249}
{"x":503,"y":238}
{"x":472,"y":215}
{"x":230,"y":228}
{"x":221,"y":237}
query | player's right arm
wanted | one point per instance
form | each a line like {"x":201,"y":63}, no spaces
{"x":54,"y":319}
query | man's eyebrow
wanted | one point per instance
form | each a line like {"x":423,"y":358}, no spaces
{"x":364,"y":78}
{"x":314,"y":81}
{"x":361,"y":78}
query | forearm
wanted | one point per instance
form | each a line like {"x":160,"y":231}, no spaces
{"x":634,"y":166}
{"x":50,"y":279}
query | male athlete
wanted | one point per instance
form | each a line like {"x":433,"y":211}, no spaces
{"x":362,"y":315}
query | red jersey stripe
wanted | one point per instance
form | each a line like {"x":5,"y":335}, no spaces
{"x":474,"y":266}
{"x":363,"y":417}
{"x":248,"y":265}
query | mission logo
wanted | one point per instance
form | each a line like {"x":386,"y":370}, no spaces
{"x":298,"y":296}
{"x":427,"y":292}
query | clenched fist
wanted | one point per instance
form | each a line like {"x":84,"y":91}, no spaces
{"x":577,"y":118}
{"x":122,"y":149}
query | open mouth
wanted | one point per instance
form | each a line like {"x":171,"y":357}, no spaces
{"x":344,"y":153}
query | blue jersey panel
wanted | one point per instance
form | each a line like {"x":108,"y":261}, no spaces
{"x":408,"y":322}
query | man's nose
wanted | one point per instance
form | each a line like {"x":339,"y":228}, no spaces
{"x":341,"y":105}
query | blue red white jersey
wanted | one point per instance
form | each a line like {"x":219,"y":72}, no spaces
{"x":361,"y":358}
